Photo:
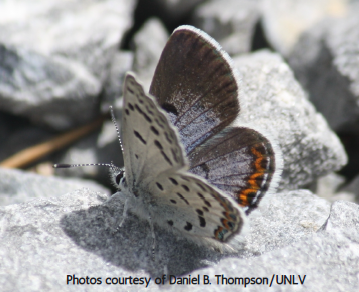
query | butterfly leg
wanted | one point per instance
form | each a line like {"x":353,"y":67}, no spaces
{"x":124,"y":214}
{"x":153,"y":236}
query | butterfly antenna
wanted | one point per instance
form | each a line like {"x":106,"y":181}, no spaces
{"x":116,"y":126}
{"x":65,"y":165}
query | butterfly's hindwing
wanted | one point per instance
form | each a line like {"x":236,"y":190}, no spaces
{"x":195,"y":208}
{"x":239,"y":161}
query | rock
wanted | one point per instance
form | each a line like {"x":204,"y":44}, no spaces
{"x":284,"y":218}
{"x":55,"y":57}
{"x":330,"y":187}
{"x":149,"y":43}
{"x":285,"y":20}
{"x":171,"y":12}
{"x":328,"y":70}
{"x":101,"y":146}
{"x":325,"y":261}
{"x":17,"y":134}
{"x":18,"y":186}
{"x":274,"y":102}
{"x":231,"y":23}
{"x":351,"y":190}
{"x":120,"y":64}
{"x":76,"y":234}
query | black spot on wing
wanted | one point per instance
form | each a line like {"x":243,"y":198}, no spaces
{"x":154,"y":130}
{"x":173,"y":181}
{"x":201,"y":186}
{"x":202,"y":221}
{"x":168,"y":138}
{"x":138,"y":109}
{"x":170,"y":108}
{"x":159,"y":124}
{"x":148,"y":119}
{"x":159,"y":186}
{"x":174,"y":155}
{"x":131,"y":107}
{"x":204,"y":200}
{"x":170,"y":222}
{"x":137,"y":134}
{"x":166,"y":158}
{"x":158,"y":144}
{"x":188,"y":227}
{"x":185,"y":188}
{"x":173,"y":201}
{"x":182,"y":198}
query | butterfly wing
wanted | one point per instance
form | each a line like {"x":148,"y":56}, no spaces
{"x":240,"y":161}
{"x":148,"y":139}
{"x":195,"y":208}
{"x":155,"y":165}
{"x":196,"y":84}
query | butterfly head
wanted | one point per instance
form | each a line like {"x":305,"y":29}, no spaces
{"x":118,"y":177}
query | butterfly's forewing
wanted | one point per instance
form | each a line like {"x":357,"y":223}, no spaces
{"x":157,"y":169}
{"x":150,"y":144}
{"x":239,"y":161}
{"x":195,"y":83}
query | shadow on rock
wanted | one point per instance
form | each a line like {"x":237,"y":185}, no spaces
{"x":96,"y":230}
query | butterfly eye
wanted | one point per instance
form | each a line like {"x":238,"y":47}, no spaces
{"x":119,"y":177}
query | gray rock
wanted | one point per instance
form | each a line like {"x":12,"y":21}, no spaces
{"x":284,"y":218}
{"x":231,"y":23}
{"x":121,"y":62}
{"x":100,"y":147}
{"x":344,"y":221}
{"x":328,"y":259}
{"x":285,"y":20}
{"x":18,"y":186}
{"x":45,"y":240}
{"x":332,"y":188}
{"x":149,"y":43}
{"x":171,"y":11}
{"x":18,"y":135}
{"x":274,"y":102}
{"x":55,"y":57}
{"x":329,"y":70}
{"x":351,"y":190}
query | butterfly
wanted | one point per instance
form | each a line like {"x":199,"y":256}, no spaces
{"x":187,"y":168}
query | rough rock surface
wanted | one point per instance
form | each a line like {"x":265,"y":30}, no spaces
{"x":18,"y":186}
{"x":273,"y":100}
{"x":45,"y":240}
{"x":329,"y":70}
{"x":231,"y":23}
{"x":54,"y":57}
{"x":285,"y":20}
